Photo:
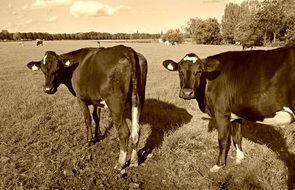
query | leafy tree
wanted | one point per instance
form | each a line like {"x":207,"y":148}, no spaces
{"x":229,"y":22}
{"x":204,"y":32}
{"x":173,"y":36}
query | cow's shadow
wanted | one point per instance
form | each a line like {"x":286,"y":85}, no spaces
{"x":161,"y":117}
{"x":274,"y":138}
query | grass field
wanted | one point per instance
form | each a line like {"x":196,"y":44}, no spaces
{"x":43,"y":137}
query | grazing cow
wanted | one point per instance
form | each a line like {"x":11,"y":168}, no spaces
{"x":258,"y":86}
{"x":249,"y":44}
{"x":39,"y":42}
{"x":102,"y":77}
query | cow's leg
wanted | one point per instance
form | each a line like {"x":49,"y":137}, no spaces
{"x":87,"y":118}
{"x":116,"y":107}
{"x":136,"y":110}
{"x":237,"y":140}
{"x":96,"y":118}
{"x":224,"y":137}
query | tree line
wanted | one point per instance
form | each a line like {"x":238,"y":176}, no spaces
{"x":5,"y":35}
{"x":268,"y":22}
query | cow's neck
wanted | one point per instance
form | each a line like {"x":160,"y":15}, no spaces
{"x":68,"y":73}
{"x":200,"y":94}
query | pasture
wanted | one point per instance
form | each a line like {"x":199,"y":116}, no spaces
{"x":43,"y":137}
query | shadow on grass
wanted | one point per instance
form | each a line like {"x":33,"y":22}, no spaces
{"x":162,"y":117}
{"x":274,"y":139}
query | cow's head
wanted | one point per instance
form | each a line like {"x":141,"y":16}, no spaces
{"x":53,"y":67}
{"x":190,"y":70}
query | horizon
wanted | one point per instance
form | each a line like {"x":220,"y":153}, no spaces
{"x":105,"y":16}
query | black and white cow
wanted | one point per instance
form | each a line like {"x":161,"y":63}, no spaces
{"x":102,"y":77}
{"x":258,"y":86}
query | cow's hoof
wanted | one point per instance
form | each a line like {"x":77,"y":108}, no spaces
{"x":119,"y":167}
{"x":215,"y":168}
{"x":90,"y":143}
{"x":134,"y":164}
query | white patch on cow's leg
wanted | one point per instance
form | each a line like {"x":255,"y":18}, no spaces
{"x":44,"y":59}
{"x":35,"y":68}
{"x":240,"y":155}
{"x":122,"y":160}
{"x":134,"y":136}
{"x":188,"y":58}
{"x":215,"y":168}
{"x":282,"y":118}
{"x":104,"y":104}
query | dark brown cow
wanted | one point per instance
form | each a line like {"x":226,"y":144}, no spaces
{"x":39,"y":42}
{"x":102,"y":77}
{"x":258,"y":86}
{"x":249,"y":44}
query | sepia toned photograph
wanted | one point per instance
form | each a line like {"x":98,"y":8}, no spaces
{"x":150,"y":95}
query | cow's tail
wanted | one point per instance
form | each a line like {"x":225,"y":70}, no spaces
{"x":134,"y":79}
{"x":135,"y":107}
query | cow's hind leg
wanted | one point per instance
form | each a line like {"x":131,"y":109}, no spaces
{"x":237,"y":140}
{"x":224,"y":140}
{"x":96,"y":118}
{"x":87,"y":118}
{"x":136,"y":110}
{"x":116,"y":107}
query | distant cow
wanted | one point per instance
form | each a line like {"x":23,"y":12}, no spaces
{"x":258,"y":86}
{"x":249,"y":44}
{"x":102,"y":77}
{"x":39,"y":42}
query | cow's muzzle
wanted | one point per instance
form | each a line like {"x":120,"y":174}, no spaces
{"x":187,"y":93}
{"x":49,"y":90}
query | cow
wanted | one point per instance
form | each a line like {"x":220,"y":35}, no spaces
{"x":112,"y":78}
{"x":249,"y":44}
{"x":256,"y":85}
{"x":39,"y":42}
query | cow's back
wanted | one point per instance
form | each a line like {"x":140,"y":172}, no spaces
{"x":100,"y":72}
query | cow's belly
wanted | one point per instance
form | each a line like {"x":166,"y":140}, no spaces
{"x":280,"y":119}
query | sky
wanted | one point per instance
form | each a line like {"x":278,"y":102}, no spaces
{"x":112,"y":16}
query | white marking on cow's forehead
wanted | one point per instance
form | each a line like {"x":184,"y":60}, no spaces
{"x":44,"y":59}
{"x":35,"y":68}
{"x":190,"y":58}
{"x":68,"y":63}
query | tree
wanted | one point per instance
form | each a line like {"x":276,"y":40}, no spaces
{"x":229,"y":22}
{"x":173,"y":36}
{"x":204,"y":32}
{"x":16,"y":36}
{"x":271,"y":18}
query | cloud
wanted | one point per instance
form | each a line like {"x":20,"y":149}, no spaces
{"x":39,"y":4}
{"x":92,"y":8}
{"x":53,"y":18}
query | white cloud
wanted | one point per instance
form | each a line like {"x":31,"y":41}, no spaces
{"x":92,"y":8}
{"x":38,"y":4}
{"x":53,"y":18}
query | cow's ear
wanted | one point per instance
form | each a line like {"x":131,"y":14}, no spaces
{"x":170,"y":65}
{"x":210,"y":65}
{"x":34,"y":65}
{"x":67,"y":62}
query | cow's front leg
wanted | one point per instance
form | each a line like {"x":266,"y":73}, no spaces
{"x":87,"y":119}
{"x":223,"y":124}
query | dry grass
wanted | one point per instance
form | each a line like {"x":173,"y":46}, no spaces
{"x":43,"y":137}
